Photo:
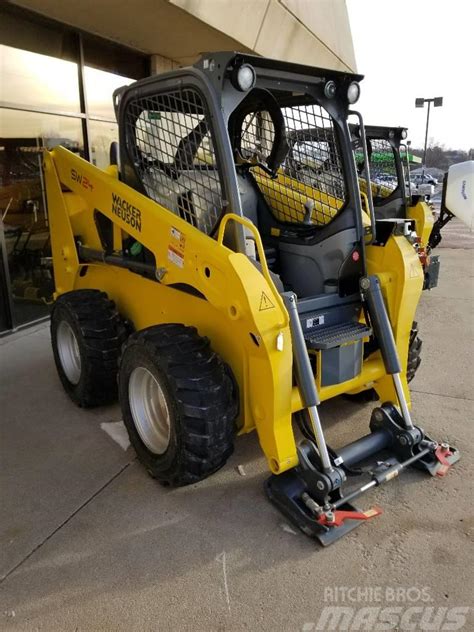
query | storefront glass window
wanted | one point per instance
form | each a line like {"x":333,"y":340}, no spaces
{"x":100,"y":86}
{"x":44,"y":74}
{"x":30,"y":79}
{"x":102,"y":135}
{"x":23,"y":136}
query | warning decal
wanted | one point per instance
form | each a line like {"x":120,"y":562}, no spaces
{"x":176,"y":247}
{"x":175,"y":257}
{"x":265,"y":303}
{"x":180,"y":239}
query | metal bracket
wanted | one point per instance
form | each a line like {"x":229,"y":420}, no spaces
{"x":160,"y":273}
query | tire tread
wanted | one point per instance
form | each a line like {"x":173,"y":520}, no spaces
{"x":102,"y":334}
{"x":205,"y":394}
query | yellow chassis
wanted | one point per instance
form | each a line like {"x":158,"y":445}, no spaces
{"x":421,"y":212}
{"x":424,"y":221}
{"x":241,"y":312}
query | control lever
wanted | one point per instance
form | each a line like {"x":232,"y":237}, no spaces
{"x":308,"y":216}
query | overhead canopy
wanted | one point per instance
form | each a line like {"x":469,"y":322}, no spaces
{"x":313,"y":33}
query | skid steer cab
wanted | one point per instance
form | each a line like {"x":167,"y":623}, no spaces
{"x":216,"y":286}
{"x":393,"y":197}
{"x":391,"y":191}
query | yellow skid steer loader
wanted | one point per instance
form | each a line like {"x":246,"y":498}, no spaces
{"x":208,"y":284}
{"x":393,"y":196}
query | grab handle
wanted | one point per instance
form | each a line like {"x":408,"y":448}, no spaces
{"x":231,"y":217}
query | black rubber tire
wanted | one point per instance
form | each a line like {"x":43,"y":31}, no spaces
{"x":201,"y":396}
{"x":100,"y":333}
{"x":414,"y":352}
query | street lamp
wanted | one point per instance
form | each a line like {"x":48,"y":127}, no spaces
{"x":420,"y":103}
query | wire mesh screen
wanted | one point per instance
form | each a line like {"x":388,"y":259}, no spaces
{"x":169,"y":141}
{"x":309,"y":187}
{"x":383,"y":168}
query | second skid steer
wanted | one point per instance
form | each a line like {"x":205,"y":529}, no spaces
{"x":216,"y":290}
{"x":393,"y":196}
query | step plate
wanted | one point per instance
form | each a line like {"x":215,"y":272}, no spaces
{"x":336,"y":335}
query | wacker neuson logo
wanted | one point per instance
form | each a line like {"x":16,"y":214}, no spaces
{"x":127,"y":212}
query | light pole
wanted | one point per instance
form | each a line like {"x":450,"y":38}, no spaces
{"x":420,"y":103}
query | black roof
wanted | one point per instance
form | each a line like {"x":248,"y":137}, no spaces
{"x":379,"y":131}
{"x":276,"y":64}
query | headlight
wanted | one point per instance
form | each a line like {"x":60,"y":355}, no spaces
{"x":330,"y":89}
{"x":353,"y":92}
{"x":404,"y":134}
{"x":244,"y":78}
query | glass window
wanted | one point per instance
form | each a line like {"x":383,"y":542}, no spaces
{"x":312,"y":166}
{"x":100,"y":86}
{"x":258,"y":134}
{"x":169,"y":143}
{"x":46,"y":130}
{"x":159,"y":135}
{"x":383,"y":168}
{"x":101,"y":136}
{"x":32,"y":79}
{"x":22,"y":204}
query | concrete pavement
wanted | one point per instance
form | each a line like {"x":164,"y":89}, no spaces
{"x":90,"y":542}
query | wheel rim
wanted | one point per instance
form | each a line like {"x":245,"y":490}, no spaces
{"x":69,"y":353}
{"x":149,"y":410}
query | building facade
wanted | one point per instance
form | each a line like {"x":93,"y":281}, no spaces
{"x":59,"y":64}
